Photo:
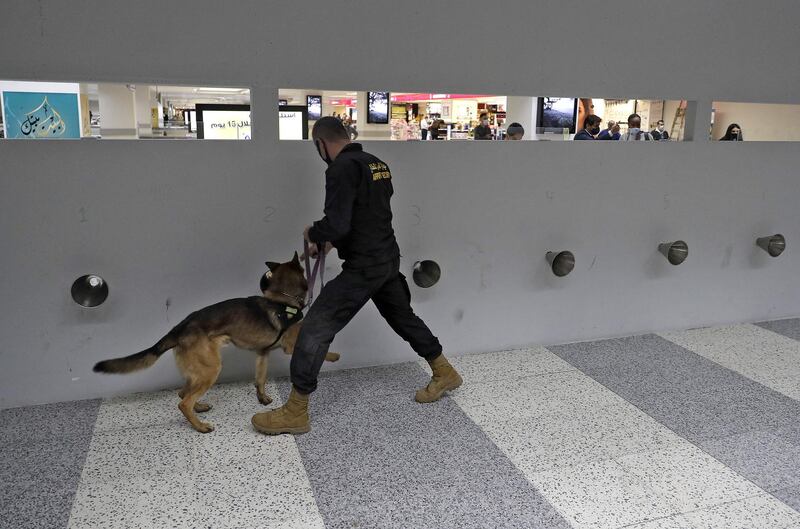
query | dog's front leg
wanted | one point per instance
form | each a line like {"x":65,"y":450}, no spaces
{"x":261,"y":377}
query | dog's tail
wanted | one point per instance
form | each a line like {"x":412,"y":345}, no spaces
{"x":138,"y":361}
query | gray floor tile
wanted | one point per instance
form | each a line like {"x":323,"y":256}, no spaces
{"x":50,"y":421}
{"x":789,"y":327}
{"x":689,"y":394}
{"x":368,"y":382}
{"x":790,"y":496}
{"x":375,"y":458}
{"x":37,"y":507}
{"x":768,"y":460}
{"x":43,"y":450}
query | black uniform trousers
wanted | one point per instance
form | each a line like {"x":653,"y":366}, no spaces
{"x":340,"y":300}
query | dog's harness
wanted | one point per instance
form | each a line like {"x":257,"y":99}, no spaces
{"x":287,"y":316}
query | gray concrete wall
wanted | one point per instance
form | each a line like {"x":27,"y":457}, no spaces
{"x":177,"y":225}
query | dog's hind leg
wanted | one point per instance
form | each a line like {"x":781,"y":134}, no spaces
{"x":261,"y":378}
{"x":199,"y":407}
{"x":200,"y":365}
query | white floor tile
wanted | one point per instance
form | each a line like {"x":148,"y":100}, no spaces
{"x":759,"y":512}
{"x":756,"y":512}
{"x":588,"y":434}
{"x":144,"y":502}
{"x":504,"y":365}
{"x":169,"y":475}
{"x":533,"y":396}
{"x":139,"y":410}
{"x":258,"y":494}
{"x":689,"y":477}
{"x":601,"y":495}
{"x":755,"y":352}
{"x":139,"y":452}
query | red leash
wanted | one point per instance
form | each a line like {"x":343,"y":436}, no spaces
{"x":311,"y":276}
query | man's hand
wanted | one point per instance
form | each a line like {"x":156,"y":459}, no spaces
{"x":313,"y":250}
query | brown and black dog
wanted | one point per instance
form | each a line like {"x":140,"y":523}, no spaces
{"x":256,"y":323}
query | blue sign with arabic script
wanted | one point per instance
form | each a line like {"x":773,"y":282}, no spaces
{"x":40,"y":115}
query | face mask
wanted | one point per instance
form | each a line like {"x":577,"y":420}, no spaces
{"x":634,"y":130}
{"x":595,"y":131}
{"x":325,"y":157}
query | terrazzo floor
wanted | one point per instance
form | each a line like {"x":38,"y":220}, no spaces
{"x":693,"y":429}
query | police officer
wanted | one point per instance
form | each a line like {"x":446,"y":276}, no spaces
{"x":358,"y":223}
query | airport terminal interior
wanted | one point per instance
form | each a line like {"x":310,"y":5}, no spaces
{"x":359,"y":265}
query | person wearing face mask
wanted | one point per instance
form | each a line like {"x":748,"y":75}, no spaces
{"x":358,"y":223}
{"x":733,"y":133}
{"x":591,"y":128}
{"x":635,"y":132}
{"x":483,"y":131}
{"x":660,"y":133}
{"x":609,"y":133}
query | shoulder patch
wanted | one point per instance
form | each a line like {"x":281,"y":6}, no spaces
{"x":380,"y":171}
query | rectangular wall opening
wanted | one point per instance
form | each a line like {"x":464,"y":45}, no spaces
{"x":42,"y":110}
{"x":731,"y":121}
{"x":407,"y":116}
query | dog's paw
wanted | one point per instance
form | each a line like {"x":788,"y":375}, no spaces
{"x":265,"y":399}
{"x":205,"y":428}
{"x":202,"y":407}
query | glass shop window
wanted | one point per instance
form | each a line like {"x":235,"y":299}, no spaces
{"x":732,"y":121}
{"x":406,"y":116}
{"x":44,"y":110}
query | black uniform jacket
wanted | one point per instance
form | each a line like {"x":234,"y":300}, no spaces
{"x":358,"y":216}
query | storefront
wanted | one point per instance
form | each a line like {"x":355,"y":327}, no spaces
{"x":456,"y":114}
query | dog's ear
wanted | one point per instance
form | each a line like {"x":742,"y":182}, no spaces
{"x":296,"y":259}
{"x":272,"y":265}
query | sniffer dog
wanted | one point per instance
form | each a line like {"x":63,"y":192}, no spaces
{"x":256,"y":323}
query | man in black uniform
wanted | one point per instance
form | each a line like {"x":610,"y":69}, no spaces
{"x":358,"y":223}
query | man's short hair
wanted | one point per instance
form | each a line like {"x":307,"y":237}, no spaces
{"x":514,"y":129}
{"x":329,"y":128}
{"x":636,"y":118}
{"x":591,"y":120}
{"x":484,"y":115}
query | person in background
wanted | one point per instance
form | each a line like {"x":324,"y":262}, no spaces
{"x":515,"y":131}
{"x":423,"y":126}
{"x":591,"y":128}
{"x":734,"y":133}
{"x":483,"y":131}
{"x":433,"y":128}
{"x":608,"y":133}
{"x":635,"y":132}
{"x":659,"y":133}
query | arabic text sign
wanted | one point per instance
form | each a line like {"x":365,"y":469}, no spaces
{"x":226,"y":124}
{"x":41,"y":115}
{"x":291,"y":125}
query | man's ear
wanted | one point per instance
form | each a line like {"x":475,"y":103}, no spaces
{"x":272,"y":265}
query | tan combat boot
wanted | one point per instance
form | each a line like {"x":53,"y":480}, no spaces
{"x":292,"y":417}
{"x":445,"y":378}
